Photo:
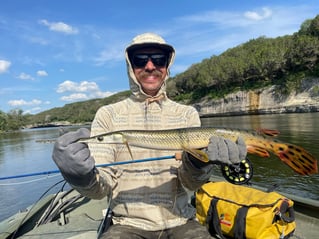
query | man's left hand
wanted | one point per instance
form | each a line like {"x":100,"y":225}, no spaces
{"x":225,"y":151}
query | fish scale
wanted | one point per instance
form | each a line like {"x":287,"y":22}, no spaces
{"x":258,"y":142}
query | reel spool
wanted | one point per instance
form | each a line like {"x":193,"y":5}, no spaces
{"x":239,"y":173}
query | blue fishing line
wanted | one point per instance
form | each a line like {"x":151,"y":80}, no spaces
{"x":99,"y":165}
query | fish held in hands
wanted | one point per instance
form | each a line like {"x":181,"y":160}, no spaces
{"x":259,"y":142}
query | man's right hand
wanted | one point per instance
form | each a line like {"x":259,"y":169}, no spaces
{"x":74,"y":159}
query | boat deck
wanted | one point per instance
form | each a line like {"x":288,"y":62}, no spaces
{"x":76,"y":217}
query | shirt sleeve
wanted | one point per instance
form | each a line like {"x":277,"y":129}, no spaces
{"x":102,"y":154}
{"x":193,"y":177}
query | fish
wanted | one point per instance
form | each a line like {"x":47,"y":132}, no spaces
{"x":260,"y":142}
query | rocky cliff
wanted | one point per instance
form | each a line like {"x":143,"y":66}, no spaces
{"x":265,"y":101}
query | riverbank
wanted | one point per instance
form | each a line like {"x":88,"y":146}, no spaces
{"x":56,"y":124}
{"x":268,"y":100}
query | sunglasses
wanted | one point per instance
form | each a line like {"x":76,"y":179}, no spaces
{"x":158,"y":59}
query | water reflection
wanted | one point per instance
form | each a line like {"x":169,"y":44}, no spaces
{"x":20,"y":154}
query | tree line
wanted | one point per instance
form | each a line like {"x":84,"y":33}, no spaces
{"x":13,"y":120}
{"x":283,"y":61}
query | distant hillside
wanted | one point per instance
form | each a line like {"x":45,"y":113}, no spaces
{"x":283,"y":61}
{"x":78,"y":112}
{"x":260,"y":62}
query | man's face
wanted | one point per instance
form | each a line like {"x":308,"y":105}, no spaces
{"x":150,"y":68}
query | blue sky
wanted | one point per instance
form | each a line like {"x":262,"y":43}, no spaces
{"x":57,"y":52}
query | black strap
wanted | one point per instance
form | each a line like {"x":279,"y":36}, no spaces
{"x":106,"y":223}
{"x":286,"y":209}
{"x":212,"y":219}
{"x":240,"y":223}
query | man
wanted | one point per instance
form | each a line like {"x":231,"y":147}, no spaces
{"x":149,"y":199}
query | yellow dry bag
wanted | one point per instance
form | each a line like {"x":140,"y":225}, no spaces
{"x":239,"y":212}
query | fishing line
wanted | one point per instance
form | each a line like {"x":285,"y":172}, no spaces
{"x":99,"y":165}
{"x":30,"y":181}
{"x":29,"y":210}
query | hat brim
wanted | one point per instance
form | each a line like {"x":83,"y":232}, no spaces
{"x":165,"y":47}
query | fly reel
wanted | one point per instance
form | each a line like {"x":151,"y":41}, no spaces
{"x":239,"y":173}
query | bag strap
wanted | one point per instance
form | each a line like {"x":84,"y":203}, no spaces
{"x":286,"y":208}
{"x":240,"y":223}
{"x":212,"y":219}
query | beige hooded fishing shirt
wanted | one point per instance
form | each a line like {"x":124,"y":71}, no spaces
{"x":148,"y":195}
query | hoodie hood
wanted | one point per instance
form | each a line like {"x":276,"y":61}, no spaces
{"x":144,"y":41}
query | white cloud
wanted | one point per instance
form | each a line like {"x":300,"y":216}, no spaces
{"x":35,"y":106}
{"x":109,"y":54}
{"x":42,"y":73}
{"x":22,"y":102}
{"x":224,"y":20}
{"x":81,"y":91}
{"x":100,"y":94}
{"x":24,"y":76}
{"x":33,"y":110}
{"x":210,"y":33}
{"x":266,"y":13}
{"x":75,"y":97}
{"x":4,"y":66}
{"x":77,"y":87}
{"x":59,"y":27}
{"x":38,"y":40}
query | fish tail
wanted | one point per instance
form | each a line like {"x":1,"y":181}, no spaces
{"x":260,"y":151}
{"x":296,"y":157}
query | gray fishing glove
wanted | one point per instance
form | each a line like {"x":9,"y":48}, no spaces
{"x":74,"y":159}
{"x":225,"y":151}
{"x":222,"y":151}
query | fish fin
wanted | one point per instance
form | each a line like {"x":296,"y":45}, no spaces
{"x":257,"y":150}
{"x":197,"y":153}
{"x":296,"y":158}
{"x":268,"y":132}
{"x":129,"y":149}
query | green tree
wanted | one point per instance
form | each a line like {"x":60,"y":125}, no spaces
{"x":304,"y":28}
{"x":3,"y":121}
{"x":310,"y":27}
{"x":15,"y":119}
{"x":314,"y":27}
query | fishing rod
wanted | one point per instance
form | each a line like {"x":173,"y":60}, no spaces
{"x":239,"y":173}
{"x":99,"y":165}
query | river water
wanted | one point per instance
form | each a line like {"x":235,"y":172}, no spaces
{"x":21,"y":154}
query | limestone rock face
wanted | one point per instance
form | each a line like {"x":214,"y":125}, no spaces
{"x":265,"y":101}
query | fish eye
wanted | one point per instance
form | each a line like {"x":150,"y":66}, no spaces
{"x":100,"y":138}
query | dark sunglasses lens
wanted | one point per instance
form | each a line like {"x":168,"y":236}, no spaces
{"x":140,"y":60}
{"x":159,"y":60}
